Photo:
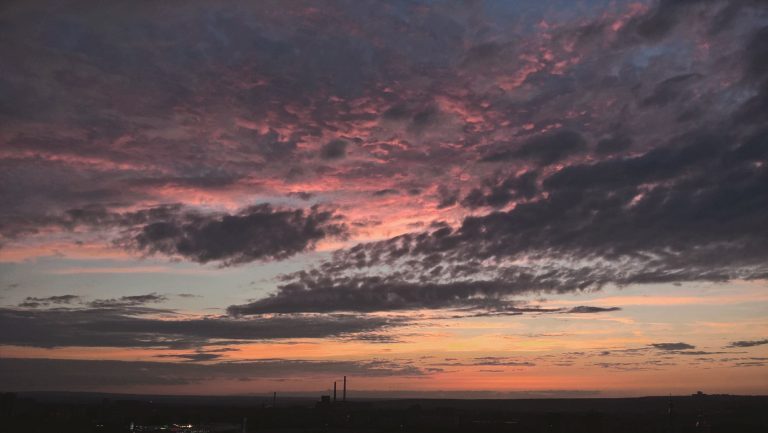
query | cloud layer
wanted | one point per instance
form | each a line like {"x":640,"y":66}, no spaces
{"x":120,"y":325}
{"x":403,"y":161}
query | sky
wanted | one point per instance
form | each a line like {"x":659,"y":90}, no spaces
{"x":434,"y":198}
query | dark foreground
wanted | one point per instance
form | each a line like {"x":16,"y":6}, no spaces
{"x":84,"y":413}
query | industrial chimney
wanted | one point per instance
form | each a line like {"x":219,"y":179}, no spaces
{"x":344,"y":392}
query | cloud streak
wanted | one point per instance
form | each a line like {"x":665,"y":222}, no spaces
{"x":747,"y":343}
{"x":136,"y":326}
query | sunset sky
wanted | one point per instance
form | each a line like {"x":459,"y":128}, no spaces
{"x":434,"y":198}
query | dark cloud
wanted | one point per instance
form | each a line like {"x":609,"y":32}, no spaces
{"x":755,"y":109}
{"x":663,"y":17}
{"x":256,"y":233}
{"x":500,"y":192}
{"x":200,"y":355}
{"x":128,"y":301}
{"x":424,"y":118}
{"x":316,"y":294}
{"x":612,"y":145}
{"x":193,"y":357}
{"x":748,"y":343}
{"x":633,"y":366}
{"x":756,"y":54}
{"x":374,"y":338}
{"x":35,"y":302}
{"x":589,"y":309}
{"x":751,"y":364}
{"x":498,"y":361}
{"x":697,"y":353}
{"x":45,"y":374}
{"x":385,"y":192}
{"x":89,"y":217}
{"x":482,"y":54}
{"x":443,"y":288}
{"x":655,"y":356}
{"x":669,"y":90}
{"x":447,"y":196}
{"x":301,"y":194}
{"x":367,"y":294}
{"x":672,"y":346}
{"x":548,"y":149}
{"x":544,"y":149}
{"x":335,"y":149}
{"x":139,"y":327}
{"x":695,"y":205}
{"x":204,"y":181}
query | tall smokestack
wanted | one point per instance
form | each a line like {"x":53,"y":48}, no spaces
{"x":334,"y":391}
{"x":274,"y":399}
{"x":344,"y":392}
